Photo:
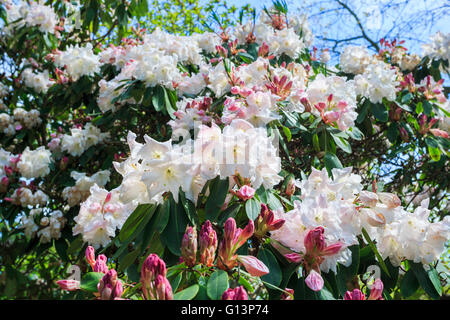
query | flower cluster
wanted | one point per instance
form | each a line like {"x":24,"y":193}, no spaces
{"x":100,"y":215}
{"x":82,"y":139}
{"x":45,"y":225}
{"x":34,"y":163}
{"x":34,"y":14}
{"x":78,"y":61}
{"x":81,"y":190}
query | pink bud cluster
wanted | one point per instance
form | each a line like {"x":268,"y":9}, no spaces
{"x":316,"y":251}
{"x":266,"y":222}
{"x":237,"y":293}
{"x":155,"y":285}
{"x":110,"y":287}
{"x":376,"y":292}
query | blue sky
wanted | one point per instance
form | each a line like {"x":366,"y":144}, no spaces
{"x":411,"y":15}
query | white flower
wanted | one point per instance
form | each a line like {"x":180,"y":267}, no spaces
{"x":100,"y":215}
{"x":34,"y":164}
{"x":78,"y":61}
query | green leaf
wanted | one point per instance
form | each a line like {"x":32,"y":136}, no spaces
{"x":218,"y":190}
{"x":187,"y":294}
{"x":217,"y":284}
{"x":158,"y":98}
{"x":272,"y":201}
{"x":136,"y":221}
{"x":380,"y":112}
{"x":342,"y":143}
{"x":427,"y":107}
{"x":363,"y":112}
{"x":428,"y":280}
{"x":252,"y":208}
{"x":375,"y":251}
{"x":287,"y":133}
{"x":128,"y":260}
{"x":435,"y":153}
{"x":419,"y":107}
{"x":173,"y":233}
{"x":409,"y":284}
{"x":90,"y":281}
{"x":331,"y":161}
{"x":275,"y":275}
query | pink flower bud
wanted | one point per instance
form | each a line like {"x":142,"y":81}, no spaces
{"x":288,"y":294}
{"x":208,"y":244}
{"x":439,"y":133}
{"x":247,"y":232}
{"x":152,"y":267}
{"x":189,"y":246}
{"x":118,"y":290}
{"x":314,"y":281}
{"x":229,"y":229}
{"x":163,"y":289}
{"x":245,"y":192}
{"x":294,"y":257}
{"x":5,"y":181}
{"x":331,"y":116}
{"x":90,"y":256}
{"x":69,"y":285}
{"x":332,"y":249}
{"x":100,"y":264}
{"x":253,"y":265}
{"x":389,"y":199}
{"x":376,"y":292}
{"x":290,"y":187}
{"x":237,"y":293}
{"x":356,"y":294}
{"x":315,"y":240}
{"x":235,"y":90}
{"x":368,"y":199}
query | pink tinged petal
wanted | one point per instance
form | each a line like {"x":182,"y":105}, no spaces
{"x":332,"y":249}
{"x":253,"y":265}
{"x":69,"y":285}
{"x":293,"y":257}
{"x":314,"y":281}
{"x":376,"y":291}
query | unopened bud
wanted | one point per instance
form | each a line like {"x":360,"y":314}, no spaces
{"x":69,"y":285}
{"x":208,"y":244}
{"x":237,"y":293}
{"x":356,"y":294}
{"x":189,"y":246}
{"x":90,"y":256}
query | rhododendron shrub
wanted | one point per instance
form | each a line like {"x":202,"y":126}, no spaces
{"x":229,"y":164}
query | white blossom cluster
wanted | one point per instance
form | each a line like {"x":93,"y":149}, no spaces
{"x":289,"y":40}
{"x":325,"y":203}
{"x":154,"y":168}
{"x":80,"y":191}
{"x":100,"y":215}
{"x":45,"y":225}
{"x":82,"y":139}
{"x":30,"y":15}
{"x":29,"y":119}
{"x":39,"y":81}
{"x":35,"y":163}
{"x":439,"y":48}
{"x":25,"y":197}
{"x":354,"y":59}
{"x":334,"y":99}
{"x":405,"y":61}
{"x":342,"y":208}
{"x":78,"y":61}
{"x":7,"y":125}
{"x":379,"y":80}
